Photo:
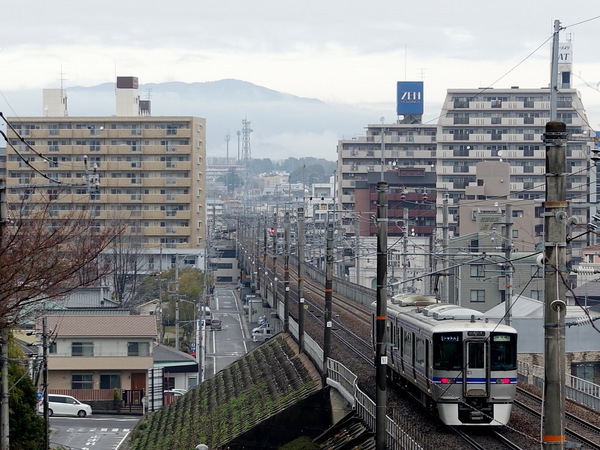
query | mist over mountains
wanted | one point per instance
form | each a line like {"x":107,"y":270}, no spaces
{"x":283,"y":125}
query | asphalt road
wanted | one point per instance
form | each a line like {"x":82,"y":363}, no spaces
{"x":107,"y":432}
{"x":232,"y":341}
{"x":101,"y":432}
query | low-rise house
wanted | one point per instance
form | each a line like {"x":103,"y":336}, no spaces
{"x":180,"y":370}
{"x":89,"y":356}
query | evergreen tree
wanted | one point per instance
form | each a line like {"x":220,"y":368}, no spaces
{"x":26,"y":427}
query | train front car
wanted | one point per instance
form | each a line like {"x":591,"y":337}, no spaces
{"x":474,"y":369}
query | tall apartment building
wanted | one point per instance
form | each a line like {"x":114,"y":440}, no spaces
{"x":485,"y":151}
{"x":490,"y":152}
{"x":392,"y":146}
{"x":150,"y":172}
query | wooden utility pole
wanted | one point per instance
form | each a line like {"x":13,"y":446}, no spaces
{"x":380,"y":337}
{"x":555,"y":245}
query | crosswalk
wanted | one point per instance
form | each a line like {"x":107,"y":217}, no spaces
{"x":98,"y":430}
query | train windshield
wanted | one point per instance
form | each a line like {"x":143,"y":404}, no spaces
{"x":503,"y":351}
{"x":447,"y":351}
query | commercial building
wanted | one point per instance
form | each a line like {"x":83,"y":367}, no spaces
{"x":132,"y":168}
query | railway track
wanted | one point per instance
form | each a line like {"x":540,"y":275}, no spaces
{"x":351,"y":329}
{"x":577,"y":430}
{"x":356,"y":341}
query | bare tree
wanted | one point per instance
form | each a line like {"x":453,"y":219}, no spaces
{"x":125,"y":255}
{"x":44,"y":256}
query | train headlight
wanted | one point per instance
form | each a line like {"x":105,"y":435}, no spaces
{"x":447,"y":380}
{"x":503,"y":380}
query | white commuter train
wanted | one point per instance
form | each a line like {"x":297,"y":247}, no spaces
{"x":459,"y":363}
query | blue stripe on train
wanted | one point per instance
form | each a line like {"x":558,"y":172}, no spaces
{"x":471,"y":380}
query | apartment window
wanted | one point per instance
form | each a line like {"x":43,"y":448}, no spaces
{"x":82,"y":349}
{"x":138,"y":349}
{"x":94,"y":146}
{"x":110,"y":381}
{"x":52,"y":348}
{"x":477,"y":296}
{"x":477,"y":270}
{"x":536,"y":294}
{"x":134,"y":145}
{"x":82,"y":381}
{"x":53,"y":146}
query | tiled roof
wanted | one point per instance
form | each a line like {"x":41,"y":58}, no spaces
{"x":101,"y":326}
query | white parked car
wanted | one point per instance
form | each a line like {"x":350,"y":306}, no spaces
{"x":65,"y":405}
{"x":261,"y":334}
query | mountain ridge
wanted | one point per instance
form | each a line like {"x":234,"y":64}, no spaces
{"x":284,"y":125}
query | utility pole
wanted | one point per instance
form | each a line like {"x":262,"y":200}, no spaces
{"x":508,"y":268}
{"x":328,"y":300}
{"x":555,"y":219}
{"x":256,"y":253}
{"x":380,"y":336}
{"x":286,"y":274}
{"x":301,"y":304}
{"x":5,"y":425}
{"x":4,"y":396}
{"x":177,"y":302}
{"x":275,"y":261}
{"x":445,"y":262}
{"x":265,"y":236}
{"x":405,"y":250}
{"x":227,"y":139}
{"x":45,"y":345}
{"x":554,"y":73}
{"x":358,"y":249}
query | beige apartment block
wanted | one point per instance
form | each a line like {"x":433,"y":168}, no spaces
{"x":147,"y":171}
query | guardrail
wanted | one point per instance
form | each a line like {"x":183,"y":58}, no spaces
{"x":342,"y":379}
{"x":576,"y":389}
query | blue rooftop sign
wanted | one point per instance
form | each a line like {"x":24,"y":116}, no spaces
{"x":410,"y":97}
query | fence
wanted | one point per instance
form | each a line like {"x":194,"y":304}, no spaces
{"x":576,"y":389}
{"x":345,"y":382}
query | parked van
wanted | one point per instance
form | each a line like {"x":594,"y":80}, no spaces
{"x":65,"y":405}
{"x":207,"y":315}
{"x":261,"y":334}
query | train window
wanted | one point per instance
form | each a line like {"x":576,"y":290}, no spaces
{"x":407,"y":345}
{"x":419,"y":351}
{"x":503,"y":348}
{"x":447,"y":351}
{"x":476,"y":355}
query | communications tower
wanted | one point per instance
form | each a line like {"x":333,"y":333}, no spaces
{"x":246,"y":153}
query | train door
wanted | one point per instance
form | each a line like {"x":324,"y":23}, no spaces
{"x":476,"y":379}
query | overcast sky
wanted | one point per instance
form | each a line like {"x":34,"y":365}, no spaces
{"x":349,"y":52}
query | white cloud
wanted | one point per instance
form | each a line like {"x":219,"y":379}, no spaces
{"x":347,"y":51}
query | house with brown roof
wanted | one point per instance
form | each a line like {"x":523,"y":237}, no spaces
{"x":91,"y":355}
